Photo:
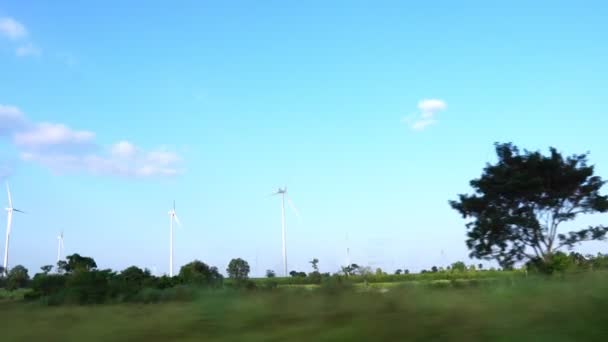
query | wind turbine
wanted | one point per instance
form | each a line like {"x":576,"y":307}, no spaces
{"x":9,"y":211}
{"x":283,"y":193}
{"x":59,"y":245}
{"x":347,"y":252}
{"x":172,"y":215}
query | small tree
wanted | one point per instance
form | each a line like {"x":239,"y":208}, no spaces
{"x":197,"y":272}
{"x":270,"y":274}
{"x":520,"y":202}
{"x":238,"y":269}
{"x":406,"y":271}
{"x":46,"y":269}
{"x":459,"y":266}
{"x":350,"y":269}
{"x":297,"y":274}
{"x":398,"y":272}
{"x":315,"y":264}
{"x":434,"y":269}
{"x":480,"y":266}
{"x":17,"y":278}
{"x":61,"y":267}
{"x":76,"y":263}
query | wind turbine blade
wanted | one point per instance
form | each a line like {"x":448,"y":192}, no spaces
{"x":8,"y":191}
{"x":177,"y":219}
{"x":19,"y":211}
{"x":293,"y":207}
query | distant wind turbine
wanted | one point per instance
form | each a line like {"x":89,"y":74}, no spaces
{"x":348,"y":263}
{"x":59,"y":245}
{"x":9,"y":211}
{"x":172,"y":215}
{"x":283,"y":193}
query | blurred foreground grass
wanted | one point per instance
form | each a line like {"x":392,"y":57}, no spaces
{"x":572,"y":309}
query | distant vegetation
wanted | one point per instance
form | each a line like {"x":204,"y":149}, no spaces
{"x":78,"y":281}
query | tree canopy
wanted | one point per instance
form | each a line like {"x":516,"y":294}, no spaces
{"x":238,"y":269}
{"x":520,"y":202}
{"x":76,"y":262}
{"x":17,"y":277}
{"x":197,"y":272}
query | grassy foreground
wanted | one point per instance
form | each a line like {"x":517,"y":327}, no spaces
{"x":574,"y":309}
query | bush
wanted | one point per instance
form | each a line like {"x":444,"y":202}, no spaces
{"x":199,"y":273}
{"x":559,"y":262}
{"x":45,"y":285}
{"x":88,"y":287}
{"x":336,"y":284}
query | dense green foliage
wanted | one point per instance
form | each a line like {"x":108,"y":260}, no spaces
{"x":201,"y":274}
{"x":17,"y":277}
{"x":533,"y":309}
{"x":238,"y":269}
{"x":82,"y":283}
{"x":520,"y":201}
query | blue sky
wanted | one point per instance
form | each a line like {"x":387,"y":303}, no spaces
{"x":110,"y":111}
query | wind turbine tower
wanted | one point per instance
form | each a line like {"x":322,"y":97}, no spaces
{"x":283,"y":193}
{"x":59,"y":246}
{"x":348,"y":263}
{"x":172,"y":216}
{"x":9,"y":211}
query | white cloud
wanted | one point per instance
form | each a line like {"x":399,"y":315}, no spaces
{"x":62,"y":149}
{"x":124,"y":149}
{"x":49,"y":134}
{"x":10,"y":119}
{"x":27,"y":50}
{"x":12,"y":29}
{"x":426,"y":117}
{"x":97,"y":164}
{"x":10,"y":111}
{"x":15,"y":31}
{"x":431,"y":105}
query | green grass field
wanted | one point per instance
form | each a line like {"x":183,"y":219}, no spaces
{"x":573,"y":309}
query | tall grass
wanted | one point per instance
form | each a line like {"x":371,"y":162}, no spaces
{"x":534,"y":309}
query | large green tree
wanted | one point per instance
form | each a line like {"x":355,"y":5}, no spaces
{"x":238,"y":269}
{"x":520,"y":201}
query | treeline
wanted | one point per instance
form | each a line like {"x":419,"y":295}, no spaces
{"x":77,"y":279}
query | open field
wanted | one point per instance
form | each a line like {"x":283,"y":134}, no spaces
{"x":394,"y":278}
{"x":572,"y":309}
